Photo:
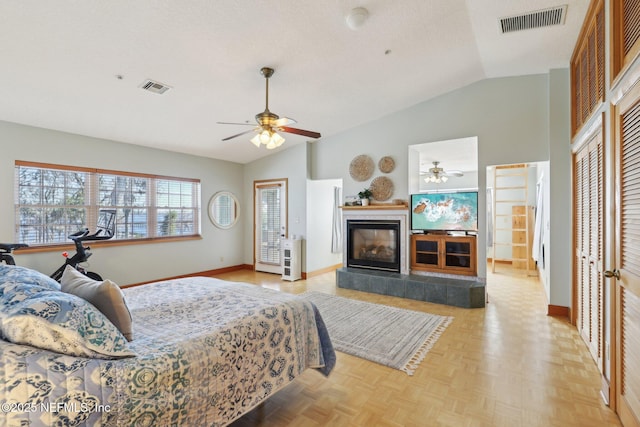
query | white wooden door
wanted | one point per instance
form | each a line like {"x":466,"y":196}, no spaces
{"x":270,"y":224}
{"x":589,"y":231}
{"x":626,"y":274}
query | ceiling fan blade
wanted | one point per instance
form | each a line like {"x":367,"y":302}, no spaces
{"x":302,"y":132}
{"x":231,"y":123}
{"x":283,"y":121}
{"x":454,"y":172}
{"x":238,"y":134}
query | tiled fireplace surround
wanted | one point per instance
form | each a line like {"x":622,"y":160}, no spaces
{"x":459,"y":291}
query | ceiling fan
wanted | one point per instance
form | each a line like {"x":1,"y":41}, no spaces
{"x":269,"y":124}
{"x":437,"y":174}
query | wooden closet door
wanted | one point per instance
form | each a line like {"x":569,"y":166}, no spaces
{"x":589,"y":223}
{"x":626,"y":275}
{"x":582,"y":242}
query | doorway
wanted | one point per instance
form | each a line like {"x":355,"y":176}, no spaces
{"x":270,"y":224}
{"x":516,"y":195}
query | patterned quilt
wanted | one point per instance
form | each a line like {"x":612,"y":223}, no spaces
{"x":207,"y":351}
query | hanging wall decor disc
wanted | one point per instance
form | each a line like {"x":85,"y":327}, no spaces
{"x":382,"y":188}
{"x":386,"y":164}
{"x":361,"y":167}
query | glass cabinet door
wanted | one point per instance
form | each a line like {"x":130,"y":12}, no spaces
{"x":458,"y":254}
{"x":427,"y":252}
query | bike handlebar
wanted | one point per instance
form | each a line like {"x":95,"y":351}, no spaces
{"x":83,"y":235}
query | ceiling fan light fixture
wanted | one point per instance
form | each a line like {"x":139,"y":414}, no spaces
{"x":269,"y":138}
{"x":269,"y":123}
{"x":265,"y":136}
{"x":437,"y":174}
{"x":256,"y":140}
{"x":277,"y":139}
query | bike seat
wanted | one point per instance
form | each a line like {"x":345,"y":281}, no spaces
{"x":8,"y":247}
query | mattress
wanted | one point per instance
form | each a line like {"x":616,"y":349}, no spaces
{"x":206,"y":351}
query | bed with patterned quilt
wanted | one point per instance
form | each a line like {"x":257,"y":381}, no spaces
{"x":195,"y":351}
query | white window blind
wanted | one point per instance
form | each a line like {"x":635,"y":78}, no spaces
{"x":270,"y":208}
{"x":53,"y":201}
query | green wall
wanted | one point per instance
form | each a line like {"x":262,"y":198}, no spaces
{"x":131,"y":263}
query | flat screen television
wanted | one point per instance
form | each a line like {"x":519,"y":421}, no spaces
{"x":452,"y":211}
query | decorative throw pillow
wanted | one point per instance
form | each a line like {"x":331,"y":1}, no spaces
{"x":63,"y":323}
{"x":106,"y":296}
{"x":16,"y":274}
{"x":14,"y":292}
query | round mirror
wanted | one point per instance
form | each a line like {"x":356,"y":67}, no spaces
{"x":223,"y":209}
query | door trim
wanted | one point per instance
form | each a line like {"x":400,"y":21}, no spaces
{"x":265,"y":183}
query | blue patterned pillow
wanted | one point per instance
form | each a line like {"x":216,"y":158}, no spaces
{"x":15,"y":274}
{"x":60,"y":322}
{"x":12,"y":293}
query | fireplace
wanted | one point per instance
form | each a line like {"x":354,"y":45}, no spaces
{"x":373,"y":244}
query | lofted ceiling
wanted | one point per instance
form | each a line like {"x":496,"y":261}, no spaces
{"x":77,"y":66}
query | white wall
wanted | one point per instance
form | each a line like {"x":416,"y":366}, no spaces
{"x":560,"y":200}
{"x":131,"y":263}
{"x":451,"y":152}
{"x":292,"y":165}
{"x":544,"y":261}
{"x":320,"y":196}
{"x":510,"y":117}
{"x":516,"y":119}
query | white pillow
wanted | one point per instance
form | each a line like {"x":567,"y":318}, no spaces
{"x":106,"y":296}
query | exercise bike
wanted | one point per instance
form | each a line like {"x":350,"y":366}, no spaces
{"x":82,"y":252}
{"x":6,"y":250}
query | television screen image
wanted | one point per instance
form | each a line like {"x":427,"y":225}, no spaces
{"x":445,"y":211}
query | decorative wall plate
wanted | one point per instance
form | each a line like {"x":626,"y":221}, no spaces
{"x":382,"y":188}
{"x":386,"y":164}
{"x":361,"y":167}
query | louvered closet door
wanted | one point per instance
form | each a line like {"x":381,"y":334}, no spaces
{"x":627,"y":256}
{"x":596,"y":226}
{"x":581,"y":173}
{"x":589,"y":242}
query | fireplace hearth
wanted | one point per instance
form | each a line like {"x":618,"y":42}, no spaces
{"x":459,"y":291}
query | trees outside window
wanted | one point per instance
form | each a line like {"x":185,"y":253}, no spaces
{"x":53,"y":201}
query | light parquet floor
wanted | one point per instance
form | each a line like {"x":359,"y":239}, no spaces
{"x":508,"y":364}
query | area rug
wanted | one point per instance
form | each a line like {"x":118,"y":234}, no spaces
{"x":391,"y":336}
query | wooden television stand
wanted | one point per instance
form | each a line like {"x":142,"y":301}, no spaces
{"x":440,"y":252}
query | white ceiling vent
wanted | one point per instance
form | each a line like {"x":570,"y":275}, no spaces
{"x":540,"y":18}
{"x":155,"y":87}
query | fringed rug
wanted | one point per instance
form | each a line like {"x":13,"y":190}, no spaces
{"x":391,"y":336}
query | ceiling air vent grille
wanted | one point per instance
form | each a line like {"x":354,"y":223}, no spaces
{"x":155,"y":87}
{"x":537,"y":19}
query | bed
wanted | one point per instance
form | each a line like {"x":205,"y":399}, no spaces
{"x":203,"y":352}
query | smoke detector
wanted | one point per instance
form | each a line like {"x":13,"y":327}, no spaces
{"x":356,"y":17}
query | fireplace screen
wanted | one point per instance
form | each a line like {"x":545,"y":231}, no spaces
{"x":374,"y":245}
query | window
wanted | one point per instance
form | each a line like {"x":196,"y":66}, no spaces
{"x":54,"y":201}
{"x":270,"y":225}
{"x":270,"y":216}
